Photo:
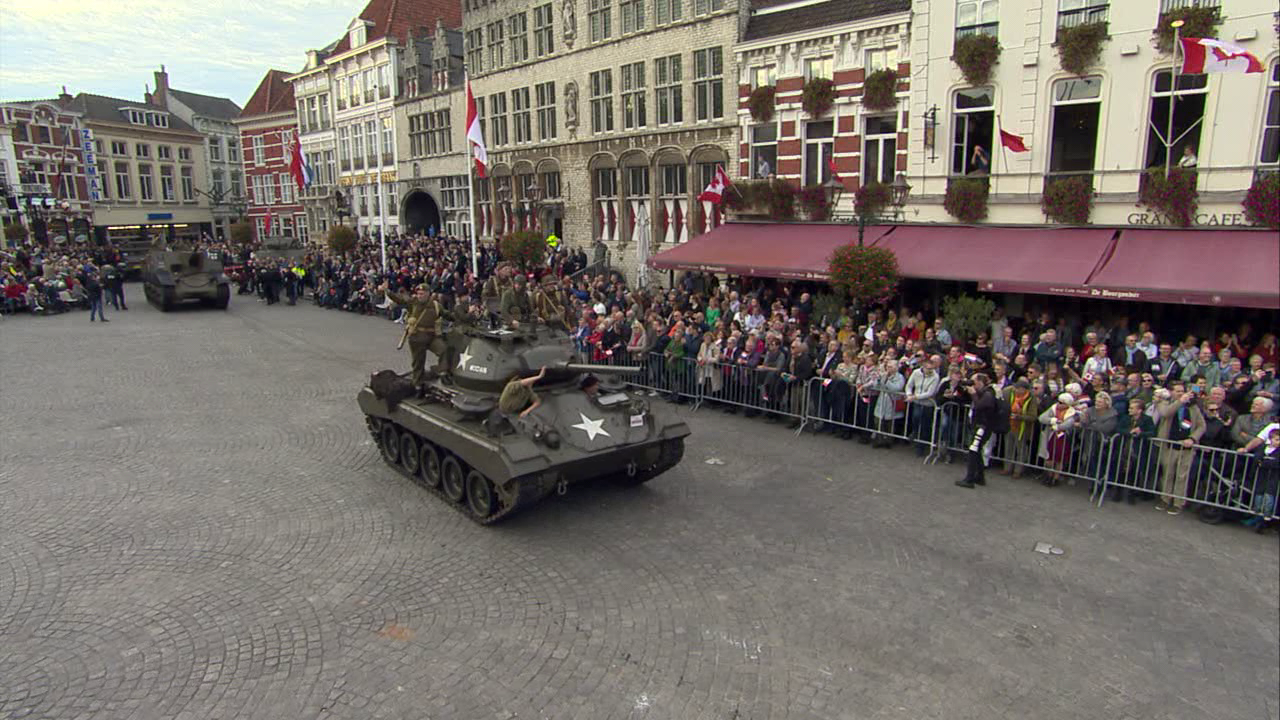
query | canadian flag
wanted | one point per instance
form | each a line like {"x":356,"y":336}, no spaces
{"x":1202,"y":55}
{"x":474,"y":136}
{"x":714,"y":192}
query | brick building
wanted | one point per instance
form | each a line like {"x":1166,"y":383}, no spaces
{"x":47,"y":174}
{"x":267,"y":125}
{"x":603,"y":120}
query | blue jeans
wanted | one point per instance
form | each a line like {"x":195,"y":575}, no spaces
{"x":95,"y":306}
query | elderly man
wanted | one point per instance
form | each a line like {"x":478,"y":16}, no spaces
{"x":1181,"y":424}
{"x":1247,"y":427}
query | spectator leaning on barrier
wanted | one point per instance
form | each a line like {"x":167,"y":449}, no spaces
{"x":1182,"y":425}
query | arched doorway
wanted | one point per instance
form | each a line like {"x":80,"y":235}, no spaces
{"x":420,"y":213}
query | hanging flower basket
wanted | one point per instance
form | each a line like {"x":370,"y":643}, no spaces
{"x":1080,"y":47}
{"x":977,"y":56}
{"x":524,"y":248}
{"x":761,"y":103}
{"x":867,"y":275}
{"x":818,"y":97}
{"x":1068,"y":201}
{"x":813,"y":199}
{"x":776,"y":198}
{"x":1175,"y":197}
{"x":880,"y":90}
{"x":1197,"y":22}
{"x":966,"y":200}
{"x":1262,"y":201}
{"x":872,"y":199}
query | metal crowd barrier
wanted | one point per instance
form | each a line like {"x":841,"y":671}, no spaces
{"x":876,"y":414}
{"x":756,"y":390}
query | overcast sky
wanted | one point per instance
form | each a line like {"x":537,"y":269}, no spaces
{"x":111,"y":47}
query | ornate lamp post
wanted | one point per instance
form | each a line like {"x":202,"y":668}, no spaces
{"x":899,"y":190}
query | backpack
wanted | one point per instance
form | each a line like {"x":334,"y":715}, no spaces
{"x":1003,"y":415}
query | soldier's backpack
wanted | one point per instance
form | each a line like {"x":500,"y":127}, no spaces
{"x":389,"y":386}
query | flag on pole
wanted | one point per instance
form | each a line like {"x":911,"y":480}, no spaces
{"x":474,"y":136}
{"x":267,"y":224}
{"x":835,"y":175}
{"x":1203,"y":55}
{"x":714,"y":191}
{"x":1013,"y":142}
{"x":298,"y":166}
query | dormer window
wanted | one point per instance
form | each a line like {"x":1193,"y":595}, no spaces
{"x":357,"y":35}
{"x":158,"y":120}
{"x":137,"y":117}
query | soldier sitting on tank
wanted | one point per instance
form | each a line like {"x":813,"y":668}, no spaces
{"x":493,"y":289}
{"x":517,"y":307}
{"x":422,"y":326}
{"x":546,"y":307}
{"x":518,"y":396}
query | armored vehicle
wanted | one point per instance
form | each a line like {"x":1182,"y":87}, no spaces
{"x":452,"y":438}
{"x":170,"y":277}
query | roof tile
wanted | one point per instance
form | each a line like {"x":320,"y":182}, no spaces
{"x":398,"y":18}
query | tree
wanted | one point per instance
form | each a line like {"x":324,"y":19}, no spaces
{"x":341,"y":239}
{"x":966,"y":316}
{"x":242,"y":233}
{"x":867,"y":275}
{"x":15,"y":232}
{"x":525,"y":248}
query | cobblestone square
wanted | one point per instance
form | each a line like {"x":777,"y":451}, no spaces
{"x":194,"y":524}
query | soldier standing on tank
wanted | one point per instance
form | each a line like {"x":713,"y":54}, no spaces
{"x":517,"y":307}
{"x":423,"y":323}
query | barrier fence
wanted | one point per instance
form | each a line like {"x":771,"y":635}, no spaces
{"x":1122,"y":466}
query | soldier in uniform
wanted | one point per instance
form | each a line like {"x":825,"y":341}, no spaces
{"x":517,"y":307}
{"x":518,"y":396}
{"x":545,"y":305}
{"x":423,"y":323}
{"x":493,"y":289}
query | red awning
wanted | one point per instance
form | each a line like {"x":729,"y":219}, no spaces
{"x":776,"y":250}
{"x":1001,"y":259}
{"x":1197,"y":267}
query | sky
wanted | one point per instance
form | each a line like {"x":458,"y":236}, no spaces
{"x":112,"y":47}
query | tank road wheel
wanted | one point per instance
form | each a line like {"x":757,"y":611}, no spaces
{"x":429,"y":463}
{"x":409,"y":453}
{"x":453,"y":479}
{"x":482,"y":501}
{"x":224,"y":297}
{"x":390,"y":443}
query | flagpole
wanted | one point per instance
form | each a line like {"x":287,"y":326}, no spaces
{"x":471,"y":192}
{"x":1173,"y":97}
{"x":382,"y":205}
{"x":1004,"y":149}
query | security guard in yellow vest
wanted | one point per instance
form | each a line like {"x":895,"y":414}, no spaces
{"x":423,"y":325}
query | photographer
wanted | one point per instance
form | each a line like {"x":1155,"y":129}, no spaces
{"x":984,"y":417}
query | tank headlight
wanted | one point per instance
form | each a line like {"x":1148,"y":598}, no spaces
{"x":552,"y":439}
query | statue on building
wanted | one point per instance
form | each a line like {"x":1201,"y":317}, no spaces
{"x":571,"y":107}
{"x":569,"y":20}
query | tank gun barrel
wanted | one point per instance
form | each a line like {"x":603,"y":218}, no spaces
{"x":601,"y":369}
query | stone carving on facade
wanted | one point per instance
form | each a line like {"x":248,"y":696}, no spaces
{"x":569,"y":20}
{"x":571,"y":107}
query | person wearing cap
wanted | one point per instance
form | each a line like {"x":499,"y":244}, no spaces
{"x":423,"y":323}
{"x":516,"y":306}
{"x":494,"y":288}
{"x":546,"y":307}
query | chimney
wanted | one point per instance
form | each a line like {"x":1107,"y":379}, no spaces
{"x":64,"y":98}
{"x":147,"y":97}
{"x":162,"y":88}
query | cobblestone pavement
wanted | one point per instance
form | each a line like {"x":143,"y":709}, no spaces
{"x":193,"y":524}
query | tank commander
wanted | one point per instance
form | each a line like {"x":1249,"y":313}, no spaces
{"x":517,"y":308}
{"x":492,"y":290}
{"x":518,"y":396}
{"x":423,"y":323}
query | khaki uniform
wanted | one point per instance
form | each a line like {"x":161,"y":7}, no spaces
{"x":491,"y":293}
{"x":516,"y":305}
{"x":515,"y":397}
{"x":424,"y":321}
{"x":549,"y":311}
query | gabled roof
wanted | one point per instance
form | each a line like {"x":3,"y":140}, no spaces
{"x":107,"y":109}
{"x":781,"y":21}
{"x":207,"y":105}
{"x":272,"y":96}
{"x":398,"y":18}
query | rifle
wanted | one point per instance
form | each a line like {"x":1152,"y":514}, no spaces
{"x":409,"y":329}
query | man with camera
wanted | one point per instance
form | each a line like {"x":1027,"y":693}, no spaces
{"x":984,"y":420}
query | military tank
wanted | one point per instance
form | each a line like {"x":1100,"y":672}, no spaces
{"x":170,"y":277}
{"x":451,"y":437}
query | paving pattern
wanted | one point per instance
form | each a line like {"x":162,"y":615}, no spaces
{"x":194,"y":524}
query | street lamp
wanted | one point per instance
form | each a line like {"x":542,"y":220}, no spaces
{"x":338,"y":205}
{"x":833,"y":190}
{"x":899,"y":190}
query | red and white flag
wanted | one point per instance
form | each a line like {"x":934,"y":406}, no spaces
{"x":1202,"y":55}
{"x":474,"y":136}
{"x":1013,"y":142}
{"x":714,"y":191}
{"x":268,"y":222}
{"x":835,"y":174}
{"x":298,"y":167}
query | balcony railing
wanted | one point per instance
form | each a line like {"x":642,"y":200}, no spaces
{"x":984,"y":29}
{"x":1084,"y":16}
{"x":1053,"y":177}
{"x":1168,"y":5}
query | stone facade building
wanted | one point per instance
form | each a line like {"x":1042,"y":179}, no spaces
{"x":268,"y":124}
{"x":213,"y":117}
{"x":44,"y":168}
{"x":603,"y":120}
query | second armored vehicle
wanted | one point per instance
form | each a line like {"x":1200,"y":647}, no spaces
{"x":170,"y":277}
{"x":455,"y":440}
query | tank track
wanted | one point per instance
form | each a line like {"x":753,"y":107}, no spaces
{"x":671,"y":452}
{"x":526,"y":493}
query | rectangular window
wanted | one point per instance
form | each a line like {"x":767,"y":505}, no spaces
{"x":184,"y":154}
{"x":146,"y":189}
{"x":708,"y":84}
{"x":632,"y":15}
{"x":667,"y":11}
{"x":674,"y":181}
{"x":233,"y":150}
{"x":188,"y":185}
{"x":600,"y":19}
{"x":166,"y":183}
{"x":353,"y":89}
{"x":522,"y":115}
{"x":417,"y":135}
{"x":550,"y":185}
{"x":237,"y":184}
{"x":496,"y":45}
{"x":443,"y":139}
{"x":164,"y":152}
{"x":633,"y":94}
{"x":475,"y":51}
{"x":144,"y":151}
{"x":819,"y":67}
{"x":119,"y":148}
{"x":313,"y":114}
{"x":324,"y":111}
{"x":371,"y":143}
{"x":370,"y":85}
{"x":482,"y":115}
{"x":269,"y":190}
{"x":1188,"y":112}
{"x":637,"y":182}
{"x":518,"y":34}
{"x":880,"y":149}
{"x":286,"y":189}
{"x":670,"y":92}
{"x":973,"y":122}
{"x":215,"y":149}
{"x":357,"y":146}
{"x":764,"y":76}
{"x":977,"y":17}
{"x":498,"y":119}
{"x":388,"y":140}
{"x":384,"y":81}
{"x":546,"y":96}
{"x":21,"y":133}
{"x":330,"y":175}
{"x":1271,"y":121}
{"x":764,"y":150}
{"x":341,"y":85}
{"x":702,"y":7}
{"x":544,"y":42}
{"x":344,"y":148}
{"x":103,"y":185}
{"x":817,"y":152}
{"x":606,"y":183}
{"x":1074,"y":138}
{"x":602,"y":101}
{"x":43,"y":135}
{"x":1072,"y":13}
{"x":217,"y":187}
{"x":881,"y":59}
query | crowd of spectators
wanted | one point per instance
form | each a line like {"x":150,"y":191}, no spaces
{"x":41,"y":278}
